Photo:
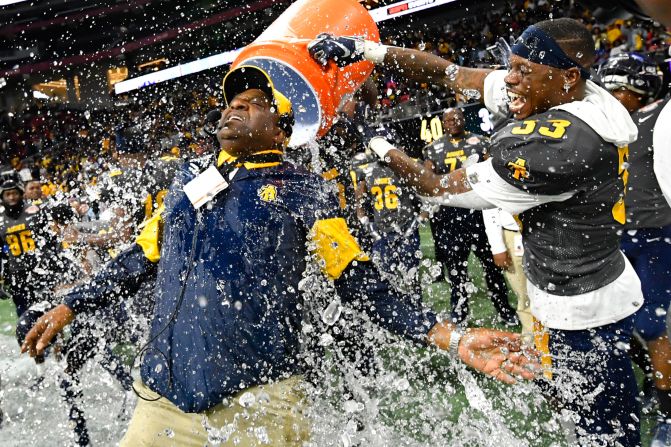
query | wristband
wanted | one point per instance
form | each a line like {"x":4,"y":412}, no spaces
{"x":380,"y":146}
{"x":374,"y":51}
{"x":455,"y":338}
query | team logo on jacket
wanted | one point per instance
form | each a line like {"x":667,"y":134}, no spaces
{"x":268,"y":193}
{"x":519,"y":169}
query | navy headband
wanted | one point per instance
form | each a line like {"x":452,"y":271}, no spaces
{"x":536,"y":46}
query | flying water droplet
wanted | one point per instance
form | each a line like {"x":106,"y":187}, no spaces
{"x":263,"y":398}
{"x":402,"y":384}
{"x":352,"y":406}
{"x":332,"y":312}
{"x":247,"y":399}
{"x":325,"y":340}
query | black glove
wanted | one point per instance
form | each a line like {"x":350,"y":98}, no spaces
{"x":343,"y":50}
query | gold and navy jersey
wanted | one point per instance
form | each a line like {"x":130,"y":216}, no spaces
{"x":571,"y":246}
{"x":393,"y":206}
{"x":448,"y":153}
{"x":645,"y":203}
{"x":31,"y":251}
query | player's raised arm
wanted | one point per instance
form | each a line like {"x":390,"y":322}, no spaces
{"x":453,"y":188}
{"x":417,"y":65}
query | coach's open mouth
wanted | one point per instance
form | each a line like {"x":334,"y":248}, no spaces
{"x":231,"y":119}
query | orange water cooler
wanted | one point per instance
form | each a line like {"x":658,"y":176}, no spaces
{"x":314,"y":90}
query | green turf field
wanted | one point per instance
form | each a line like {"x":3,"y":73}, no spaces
{"x":7,"y":317}
{"x":535,"y":427}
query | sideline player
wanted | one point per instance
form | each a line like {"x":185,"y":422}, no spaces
{"x":34,"y":264}
{"x":458,"y":231}
{"x":33,"y":191}
{"x":390,"y":212}
{"x":505,"y":240}
{"x":32,"y":249}
{"x":635,"y":81}
{"x":228,"y":310}
{"x":560,"y":165}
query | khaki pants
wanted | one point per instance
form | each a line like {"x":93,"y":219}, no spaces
{"x":265,"y":415}
{"x":517,"y":281}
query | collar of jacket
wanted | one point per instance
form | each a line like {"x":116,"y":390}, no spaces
{"x":257,"y":160}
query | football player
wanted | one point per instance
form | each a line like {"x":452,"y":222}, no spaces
{"x":31,"y":249}
{"x":636,"y":81}
{"x":34,"y":264}
{"x":34,"y":189}
{"x":559,"y":164}
{"x":458,"y":231}
{"x":391,"y":213}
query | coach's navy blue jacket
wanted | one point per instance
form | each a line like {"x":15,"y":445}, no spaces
{"x":227,"y":309}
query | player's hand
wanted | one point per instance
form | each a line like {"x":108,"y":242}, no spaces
{"x":498,"y":354}
{"x":46,"y":328}
{"x":503,"y":260}
{"x":342,"y":50}
{"x":378,"y":139}
{"x":368,"y":132}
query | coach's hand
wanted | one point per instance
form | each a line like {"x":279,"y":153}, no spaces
{"x":46,"y":328}
{"x":496,"y":353}
{"x":342,"y":50}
